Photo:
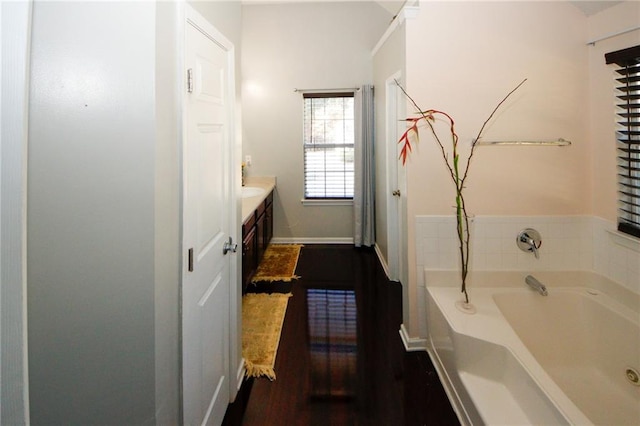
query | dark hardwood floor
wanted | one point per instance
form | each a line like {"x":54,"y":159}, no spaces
{"x":341,"y":360}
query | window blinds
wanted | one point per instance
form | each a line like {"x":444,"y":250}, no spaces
{"x":328,"y":145}
{"x":627,"y":76}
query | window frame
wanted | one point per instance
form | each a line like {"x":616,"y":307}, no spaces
{"x":308,"y":144}
{"x":627,"y":92}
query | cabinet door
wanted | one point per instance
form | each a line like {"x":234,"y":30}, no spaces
{"x":249,"y":257}
{"x":268,"y":225}
{"x":260,"y":230}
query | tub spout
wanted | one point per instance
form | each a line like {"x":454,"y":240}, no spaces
{"x":536,"y":285}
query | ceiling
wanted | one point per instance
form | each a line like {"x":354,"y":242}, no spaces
{"x":592,"y":7}
{"x":586,"y":6}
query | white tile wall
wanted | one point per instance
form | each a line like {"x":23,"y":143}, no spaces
{"x":616,"y":256}
{"x":568,"y":243}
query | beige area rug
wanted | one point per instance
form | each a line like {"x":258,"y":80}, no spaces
{"x":262,"y":319}
{"x":278,"y":263}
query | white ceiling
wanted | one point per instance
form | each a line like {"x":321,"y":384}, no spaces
{"x":592,"y":7}
{"x":586,"y":6}
{"x":392,"y":6}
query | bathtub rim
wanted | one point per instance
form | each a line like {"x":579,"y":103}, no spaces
{"x":489,"y":282}
{"x":551,"y":279}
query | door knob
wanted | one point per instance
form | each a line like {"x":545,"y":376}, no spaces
{"x":229,"y":246}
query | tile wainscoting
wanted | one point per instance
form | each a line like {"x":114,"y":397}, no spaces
{"x":568,"y":243}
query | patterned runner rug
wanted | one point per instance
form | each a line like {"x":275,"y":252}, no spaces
{"x":279,"y":263}
{"x":262,"y":318}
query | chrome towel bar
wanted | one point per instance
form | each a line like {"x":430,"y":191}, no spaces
{"x":559,"y":142}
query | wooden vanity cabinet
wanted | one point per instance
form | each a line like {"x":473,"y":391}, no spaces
{"x":249,"y":251}
{"x":257,"y":232}
{"x":260,"y":225}
{"x":268,"y":223}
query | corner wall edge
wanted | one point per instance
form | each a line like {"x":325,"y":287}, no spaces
{"x":407,"y":12}
{"x":411,"y":344}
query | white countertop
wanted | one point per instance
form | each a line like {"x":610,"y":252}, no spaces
{"x":250,"y":204}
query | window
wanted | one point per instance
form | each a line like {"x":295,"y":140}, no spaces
{"x":628,"y":136}
{"x":328,"y":145}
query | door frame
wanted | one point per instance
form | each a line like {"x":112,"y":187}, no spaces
{"x":16,"y":36}
{"x":396,"y":180}
{"x":189,"y":16}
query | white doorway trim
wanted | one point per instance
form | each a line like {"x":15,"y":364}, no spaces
{"x":14,"y":74}
{"x":396,"y":181}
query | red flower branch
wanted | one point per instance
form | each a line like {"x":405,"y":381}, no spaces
{"x":462,"y":219}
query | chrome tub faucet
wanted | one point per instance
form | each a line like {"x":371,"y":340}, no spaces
{"x":529,"y":240}
{"x":536,"y":285}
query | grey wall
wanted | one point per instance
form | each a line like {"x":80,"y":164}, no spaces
{"x":167,"y":215}
{"x":226,"y":17}
{"x":307,"y":46}
{"x":91,"y":214}
{"x":104,"y":203}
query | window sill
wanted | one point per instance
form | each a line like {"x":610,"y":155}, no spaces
{"x":624,"y":240}
{"x":318,"y":202}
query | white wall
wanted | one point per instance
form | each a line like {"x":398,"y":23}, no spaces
{"x":92,"y":217}
{"x":462,"y":58}
{"x":477,"y":52}
{"x":601,"y":100}
{"x":306,"y":46}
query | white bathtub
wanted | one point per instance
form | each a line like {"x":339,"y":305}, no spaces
{"x":524,"y":358}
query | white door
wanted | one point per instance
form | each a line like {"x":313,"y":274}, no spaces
{"x":207,"y":212}
{"x":396,"y":182}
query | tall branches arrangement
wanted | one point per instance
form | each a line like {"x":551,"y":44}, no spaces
{"x":458,"y":172}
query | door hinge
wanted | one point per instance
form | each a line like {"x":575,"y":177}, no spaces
{"x":190,"y":260}
{"x":190,"y":80}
